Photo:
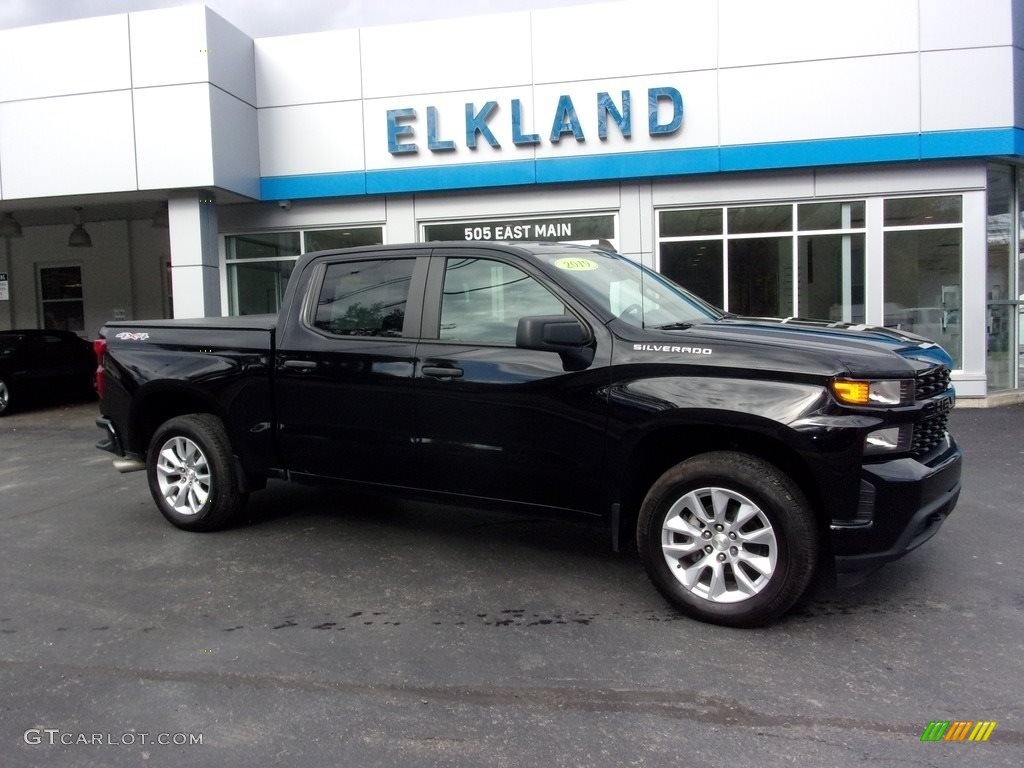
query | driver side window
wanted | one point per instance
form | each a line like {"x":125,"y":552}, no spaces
{"x":483,"y":300}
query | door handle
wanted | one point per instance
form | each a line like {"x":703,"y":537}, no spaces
{"x":438,"y":372}
{"x":302,"y":365}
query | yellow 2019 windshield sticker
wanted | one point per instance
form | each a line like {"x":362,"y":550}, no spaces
{"x":576,"y":265}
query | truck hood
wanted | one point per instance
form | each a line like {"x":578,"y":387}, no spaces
{"x":903,"y":343}
{"x":797,"y":346}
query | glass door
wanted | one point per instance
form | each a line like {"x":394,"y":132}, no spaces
{"x":1002,"y":294}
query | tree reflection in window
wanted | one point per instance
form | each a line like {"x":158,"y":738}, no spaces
{"x":364,"y":298}
{"x":483,"y":301}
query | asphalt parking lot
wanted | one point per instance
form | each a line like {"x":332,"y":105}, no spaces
{"x":335,"y":630}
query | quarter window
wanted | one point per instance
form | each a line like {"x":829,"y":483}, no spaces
{"x":483,"y":301}
{"x":364,"y":298}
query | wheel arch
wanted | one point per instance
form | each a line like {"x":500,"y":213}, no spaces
{"x":156,"y":403}
{"x":665,"y":447}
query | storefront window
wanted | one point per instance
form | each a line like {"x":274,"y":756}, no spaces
{"x":260,"y":264}
{"x":264,"y":245}
{"x":821,"y":216}
{"x":742,"y":258}
{"x":256,"y":288}
{"x":697,"y":266}
{"x":923,"y":211}
{"x":831,"y":277}
{"x":695,"y":223}
{"x":761,"y":276}
{"x":326,"y":239}
{"x":1000,"y":311}
{"x":760,"y":218}
{"x":922,"y":284}
{"x":1019,"y":303}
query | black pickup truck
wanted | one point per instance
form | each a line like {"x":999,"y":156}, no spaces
{"x":744,"y":455}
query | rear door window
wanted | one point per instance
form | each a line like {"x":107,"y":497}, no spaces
{"x":365,"y":298}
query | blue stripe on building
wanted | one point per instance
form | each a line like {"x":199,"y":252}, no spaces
{"x":995,"y":142}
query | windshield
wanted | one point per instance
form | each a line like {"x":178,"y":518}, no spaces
{"x":636,"y":296}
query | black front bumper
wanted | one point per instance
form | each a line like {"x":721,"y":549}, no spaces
{"x":905,"y":504}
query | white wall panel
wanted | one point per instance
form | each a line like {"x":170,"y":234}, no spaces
{"x":319,"y":213}
{"x":757,"y":32}
{"x":699,"y":92}
{"x":169,"y":46}
{"x":609,"y":40}
{"x":822,"y":99}
{"x":313,"y":138}
{"x":173,"y":136}
{"x":67,"y":145}
{"x":966,"y":89}
{"x":306,"y":69}
{"x":236,"y":144}
{"x":514,"y":202}
{"x":232,"y":59}
{"x":731,"y":188}
{"x":81,"y":56}
{"x":449,"y":55}
{"x":401,"y":221}
{"x":961,"y":24}
{"x":895,"y":179}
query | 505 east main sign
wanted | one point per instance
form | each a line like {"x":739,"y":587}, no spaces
{"x":664,"y":118}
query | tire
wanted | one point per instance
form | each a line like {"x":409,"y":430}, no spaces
{"x":192,"y":474}
{"x":728,"y":539}
{"x":6,"y":404}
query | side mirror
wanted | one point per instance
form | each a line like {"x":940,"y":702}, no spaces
{"x":551,"y":333}
{"x":563,"y":334}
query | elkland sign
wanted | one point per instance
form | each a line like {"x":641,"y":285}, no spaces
{"x":405,"y":129}
{"x":512,"y":136}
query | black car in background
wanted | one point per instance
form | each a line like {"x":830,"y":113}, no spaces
{"x":43,"y":366}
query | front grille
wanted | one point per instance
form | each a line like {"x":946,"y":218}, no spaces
{"x":932,"y":382}
{"x":931,"y":430}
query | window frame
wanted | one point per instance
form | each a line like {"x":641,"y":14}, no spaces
{"x":431,"y":316}
{"x":725,"y":237}
{"x":43,"y":302}
{"x":960,"y":226}
{"x":411,"y":325}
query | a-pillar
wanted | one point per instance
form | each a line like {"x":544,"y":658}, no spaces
{"x":195,"y":260}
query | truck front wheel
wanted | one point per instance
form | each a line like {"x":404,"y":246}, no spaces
{"x":191,"y":473}
{"x":728,"y":539}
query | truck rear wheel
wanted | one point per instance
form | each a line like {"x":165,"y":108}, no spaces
{"x":5,"y":398}
{"x":728,"y":539}
{"x":191,"y":473}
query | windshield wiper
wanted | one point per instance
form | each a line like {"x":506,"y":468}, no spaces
{"x":671,"y":327}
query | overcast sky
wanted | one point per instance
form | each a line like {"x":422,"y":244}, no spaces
{"x":266,"y":18}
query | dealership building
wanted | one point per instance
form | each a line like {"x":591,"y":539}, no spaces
{"x":855,"y":163}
